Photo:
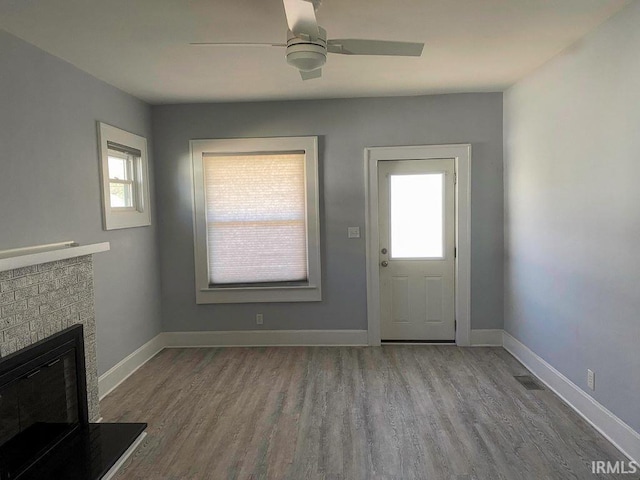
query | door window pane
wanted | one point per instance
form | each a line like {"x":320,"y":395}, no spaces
{"x":417,"y":215}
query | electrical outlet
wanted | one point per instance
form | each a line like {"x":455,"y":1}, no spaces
{"x":259,"y":319}
{"x":591,"y":379}
{"x":353,"y":232}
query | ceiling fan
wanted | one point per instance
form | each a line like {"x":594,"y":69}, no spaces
{"x":307,"y":45}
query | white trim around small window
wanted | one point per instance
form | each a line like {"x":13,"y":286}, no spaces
{"x":124,"y":174}
{"x":211,"y":156}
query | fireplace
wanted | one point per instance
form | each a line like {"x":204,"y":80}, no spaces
{"x":44,"y":425}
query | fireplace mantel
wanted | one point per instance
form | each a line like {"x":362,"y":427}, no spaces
{"x":45,"y":289}
{"x":26,"y":257}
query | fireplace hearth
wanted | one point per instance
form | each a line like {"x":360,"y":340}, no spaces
{"x":44,"y":425}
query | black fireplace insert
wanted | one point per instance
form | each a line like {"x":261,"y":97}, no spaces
{"x":44,"y":425}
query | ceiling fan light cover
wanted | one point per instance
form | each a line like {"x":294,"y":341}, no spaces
{"x":306,"y":57}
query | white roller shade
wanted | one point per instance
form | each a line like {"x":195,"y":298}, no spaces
{"x":256,"y":221}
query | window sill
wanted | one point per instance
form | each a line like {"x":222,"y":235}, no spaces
{"x":306,"y":293}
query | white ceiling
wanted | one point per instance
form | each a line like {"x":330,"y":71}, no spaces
{"x":142,"y":46}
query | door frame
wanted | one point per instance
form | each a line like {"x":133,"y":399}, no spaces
{"x":461,"y":153}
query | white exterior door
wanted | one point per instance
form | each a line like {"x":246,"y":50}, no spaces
{"x":417,"y":249}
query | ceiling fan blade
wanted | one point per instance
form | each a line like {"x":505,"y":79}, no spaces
{"x":317,"y":73}
{"x":301,"y":17}
{"x":236,"y":44}
{"x":355,"y":46}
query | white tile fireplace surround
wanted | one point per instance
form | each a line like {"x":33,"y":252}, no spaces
{"x":44,"y":290}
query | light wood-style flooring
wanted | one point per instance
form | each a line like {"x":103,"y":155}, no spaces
{"x":342,"y":413}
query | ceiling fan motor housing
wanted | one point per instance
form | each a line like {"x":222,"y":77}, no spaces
{"x":307,"y":54}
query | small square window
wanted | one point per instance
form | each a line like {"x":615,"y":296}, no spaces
{"x":125,"y":186}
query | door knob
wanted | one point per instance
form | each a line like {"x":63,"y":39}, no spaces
{"x":384,"y":263}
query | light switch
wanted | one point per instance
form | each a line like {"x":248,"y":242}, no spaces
{"x":353,"y":232}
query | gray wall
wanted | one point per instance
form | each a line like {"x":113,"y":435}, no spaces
{"x":50,"y":190}
{"x":572,"y":218}
{"x":345,"y":128}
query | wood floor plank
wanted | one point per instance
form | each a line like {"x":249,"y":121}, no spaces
{"x":343,"y":413}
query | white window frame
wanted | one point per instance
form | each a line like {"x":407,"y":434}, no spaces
{"x":309,"y":292}
{"x":124,"y":217}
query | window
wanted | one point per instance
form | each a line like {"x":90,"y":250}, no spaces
{"x":256,"y":220}
{"x":125,"y":189}
{"x":122,"y":191}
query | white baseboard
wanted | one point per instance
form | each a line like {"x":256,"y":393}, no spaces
{"x":262,"y":338}
{"x":486,"y":338}
{"x":121,"y":371}
{"x":611,"y":427}
{"x":113,"y":470}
